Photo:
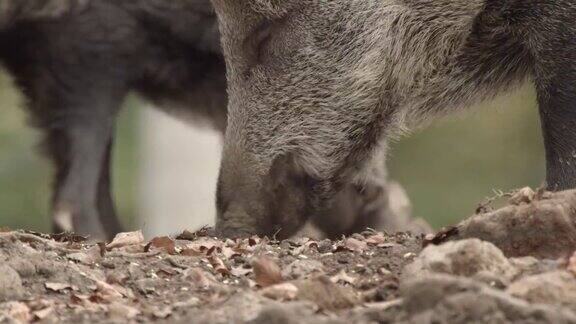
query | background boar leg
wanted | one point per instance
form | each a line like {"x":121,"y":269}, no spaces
{"x":106,"y":207}
{"x":81,"y":151}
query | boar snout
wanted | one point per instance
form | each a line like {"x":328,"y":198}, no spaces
{"x":276,"y":202}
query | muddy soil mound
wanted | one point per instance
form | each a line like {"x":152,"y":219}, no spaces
{"x":499,"y":266}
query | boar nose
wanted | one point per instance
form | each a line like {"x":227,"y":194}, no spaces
{"x":234,"y":221}
{"x":232,"y":224}
{"x":237,"y":210}
{"x":274,"y":202}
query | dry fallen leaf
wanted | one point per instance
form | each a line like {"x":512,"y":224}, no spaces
{"x":253,"y":241}
{"x":118,"y":310}
{"x":409,"y":255}
{"x":284,"y":291}
{"x":218,"y":265}
{"x":198,"y":277}
{"x":43,"y":313}
{"x":386,"y":245}
{"x":164,"y":243}
{"x":192,"y":236}
{"x":204,"y":245}
{"x":191,"y":252}
{"x":384,"y":271}
{"x":343,"y":277}
{"x":88,"y":257}
{"x":162,"y":313}
{"x":355,"y":245}
{"x":78,"y":299}
{"x":326,"y":294}
{"x":376,"y":239}
{"x":266,"y":271}
{"x":229,"y":252}
{"x":126,"y":239}
{"x":166,"y":271}
{"x":97,"y":298}
{"x":240,"y":271}
{"x":382,"y":306}
{"x":18,"y":311}
{"x":57,"y":287}
{"x":105,"y":290}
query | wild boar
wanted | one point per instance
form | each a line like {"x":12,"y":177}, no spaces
{"x":319,"y":88}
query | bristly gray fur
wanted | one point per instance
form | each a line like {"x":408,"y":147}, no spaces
{"x":330,"y":82}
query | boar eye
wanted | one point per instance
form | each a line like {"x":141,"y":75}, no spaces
{"x":264,"y":34}
{"x":257,"y":42}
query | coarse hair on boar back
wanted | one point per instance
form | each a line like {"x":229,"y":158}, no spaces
{"x":14,"y":11}
{"x":329,"y":83}
{"x":76,"y":60}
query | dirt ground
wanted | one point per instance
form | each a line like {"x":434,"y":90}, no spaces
{"x":502,"y":265}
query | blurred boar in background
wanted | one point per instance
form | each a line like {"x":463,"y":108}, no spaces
{"x":317,"y":89}
{"x":76,"y":60}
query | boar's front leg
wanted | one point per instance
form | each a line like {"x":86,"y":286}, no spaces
{"x":79,"y":142}
{"x":556,"y":87}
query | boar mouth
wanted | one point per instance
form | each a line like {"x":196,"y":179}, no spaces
{"x":289,"y":192}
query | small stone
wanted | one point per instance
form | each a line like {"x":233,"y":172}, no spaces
{"x":441,"y":298}
{"x":326,"y":294}
{"x":10,"y":284}
{"x":16,"y":312}
{"x":544,"y":229}
{"x":325,"y":246}
{"x":120,"y":311}
{"x":192,"y":302}
{"x":384,"y":272}
{"x":343,"y":259}
{"x":555,"y":288}
{"x":284,"y":291}
{"x":24,"y":267}
{"x":468,"y":258}
{"x":300,"y":269}
{"x":146,"y":286}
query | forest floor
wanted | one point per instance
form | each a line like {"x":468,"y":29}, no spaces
{"x":513,"y":263}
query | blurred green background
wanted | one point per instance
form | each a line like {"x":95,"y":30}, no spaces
{"x":457,"y":162}
{"x":447,"y":168}
{"x":25,"y":176}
